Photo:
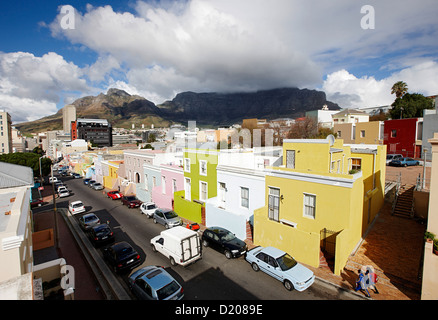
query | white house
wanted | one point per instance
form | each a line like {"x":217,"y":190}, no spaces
{"x":240,"y":188}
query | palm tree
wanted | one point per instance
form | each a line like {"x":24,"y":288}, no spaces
{"x":399,"y":88}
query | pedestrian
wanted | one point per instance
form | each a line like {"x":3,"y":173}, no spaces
{"x":361,"y":284}
{"x":373,"y":278}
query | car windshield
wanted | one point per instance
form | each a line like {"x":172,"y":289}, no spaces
{"x":228,"y":236}
{"x":286,"y":262}
{"x":77,"y":205}
{"x":151,"y":206}
{"x":170,"y":214}
{"x":131,"y":198}
{"x":167,"y":290}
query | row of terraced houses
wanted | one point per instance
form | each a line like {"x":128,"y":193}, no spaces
{"x":306,"y":197}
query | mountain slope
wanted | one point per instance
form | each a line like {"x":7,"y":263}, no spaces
{"x":122,"y":109}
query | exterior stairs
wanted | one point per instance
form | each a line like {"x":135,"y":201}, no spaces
{"x":404,"y":201}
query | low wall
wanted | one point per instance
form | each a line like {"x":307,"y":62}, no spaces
{"x":187,"y":209}
{"x":229,"y":220}
{"x":43,"y":239}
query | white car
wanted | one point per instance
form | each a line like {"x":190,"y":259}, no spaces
{"x":62,"y":188}
{"x":281,"y":266}
{"x":63,"y":193}
{"x":148,"y":208}
{"x":76,"y":207}
{"x":53,"y":179}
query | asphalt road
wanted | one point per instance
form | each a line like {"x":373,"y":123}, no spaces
{"x":212,"y":278}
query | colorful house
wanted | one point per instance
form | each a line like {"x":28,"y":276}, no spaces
{"x":360,"y":132}
{"x":200,"y":184}
{"x":172,"y":180}
{"x":322,"y":199}
{"x":404,"y":136}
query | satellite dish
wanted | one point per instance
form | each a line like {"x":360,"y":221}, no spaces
{"x":331,"y":139}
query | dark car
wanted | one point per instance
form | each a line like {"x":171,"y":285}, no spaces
{"x":86,"y":180}
{"x":88,"y":221}
{"x":36,"y":203}
{"x":224,"y":241}
{"x":131,"y":202}
{"x":101,"y":234}
{"x":404,"y":162}
{"x":121,"y":256}
{"x":91,"y":183}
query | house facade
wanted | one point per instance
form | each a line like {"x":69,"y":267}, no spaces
{"x":172,"y":180}
{"x":360,"y":132}
{"x":404,"y":136}
{"x":322,"y":199}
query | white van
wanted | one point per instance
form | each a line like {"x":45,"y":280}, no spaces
{"x":181,"y":245}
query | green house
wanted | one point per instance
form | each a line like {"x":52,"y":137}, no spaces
{"x":200,"y":184}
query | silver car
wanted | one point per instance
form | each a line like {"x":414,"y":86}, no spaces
{"x":97,"y":186}
{"x":87,"y":221}
{"x":167,"y":218}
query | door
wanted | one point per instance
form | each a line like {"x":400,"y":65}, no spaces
{"x":265,"y":263}
{"x":290,"y":159}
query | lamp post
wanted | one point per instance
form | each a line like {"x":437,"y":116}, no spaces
{"x":424,"y":168}
{"x":54,"y":210}
{"x":41,"y":171}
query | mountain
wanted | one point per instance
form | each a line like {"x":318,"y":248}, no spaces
{"x":122,"y":109}
{"x":228,"y":108}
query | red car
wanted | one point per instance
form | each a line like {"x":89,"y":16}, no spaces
{"x":114,"y":195}
{"x":131,"y":201}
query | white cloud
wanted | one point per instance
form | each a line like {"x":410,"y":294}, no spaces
{"x":30,"y":86}
{"x":349,"y":91}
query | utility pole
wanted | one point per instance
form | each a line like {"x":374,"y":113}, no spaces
{"x":424,"y":168}
{"x":54,"y":210}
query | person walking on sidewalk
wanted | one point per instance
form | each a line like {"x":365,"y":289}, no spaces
{"x":361,"y":283}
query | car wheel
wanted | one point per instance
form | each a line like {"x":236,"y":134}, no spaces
{"x":155,"y":220}
{"x":288,"y":285}
{"x":172,"y":261}
{"x":205,"y":243}
{"x":166,"y":226}
{"x":228,"y":254}
{"x":255,"y":267}
{"x":153,"y":248}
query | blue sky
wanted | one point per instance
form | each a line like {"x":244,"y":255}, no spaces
{"x":157,"y":49}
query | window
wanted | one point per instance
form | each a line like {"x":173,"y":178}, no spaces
{"x":154,"y":182}
{"x":173,"y":186}
{"x":203,"y":167}
{"x":221,"y":194}
{"x":163,"y":185}
{"x":146,"y":182}
{"x":186,"y":164}
{"x":187,"y":188}
{"x":244,"y":197}
{"x":393,"y":133}
{"x":309,"y":205}
{"x":362,"y":133}
{"x":203,"y":191}
{"x":274,"y":204}
{"x":339,"y":134}
{"x":290,"y":159}
{"x":356,"y":164}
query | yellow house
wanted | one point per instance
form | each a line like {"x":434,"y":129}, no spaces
{"x":110,"y":180}
{"x":321,"y":199}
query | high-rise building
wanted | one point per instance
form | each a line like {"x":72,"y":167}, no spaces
{"x":68,"y":115}
{"x":96,"y":131}
{"x":5,"y":132}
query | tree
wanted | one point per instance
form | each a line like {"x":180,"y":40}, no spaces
{"x":29,"y":159}
{"x":306,"y":128}
{"x":410,"y":106}
{"x":399,"y":88}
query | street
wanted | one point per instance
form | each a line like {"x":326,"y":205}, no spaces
{"x":212,"y":278}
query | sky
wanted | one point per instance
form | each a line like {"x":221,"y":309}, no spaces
{"x":53,"y":52}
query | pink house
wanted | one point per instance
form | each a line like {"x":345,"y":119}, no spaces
{"x":172,"y":179}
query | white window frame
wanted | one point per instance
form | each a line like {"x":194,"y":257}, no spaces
{"x":163,"y":184}
{"x":201,"y":183}
{"x":174,"y":187}
{"x":146,"y":182}
{"x":221,"y":193}
{"x":187,"y":164}
{"x":202,"y":164}
{"x":273,"y":211}
{"x":242,"y":198}
{"x":309,"y":209}
{"x":187,"y":188}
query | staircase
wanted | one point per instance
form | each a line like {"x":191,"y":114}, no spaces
{"x":404,"y":201}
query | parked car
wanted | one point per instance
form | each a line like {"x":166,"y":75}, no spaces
{"x":101,"y":234}
{"x":281,"y":266}
{"x":131,"y":201}
{"x":76,"y":207}
{"x":36,"y":203}
{"x":148,"y":208}
{"x":91,"y":182}
{"x":404,"y":162}
{"x":154,"y":283}
{"x":86,"y":180}
{"x":114,"y":195}
{"x":63,"y":193}
{"x":121,"y":256}
{"x":53,"y":179}
{"x":224,"y":241}
{"x":76,"y":176}
{"x":97,"y":186}
{"x":167,"y":218}
{"x":87,"y":221}
{"x":391,"y":157}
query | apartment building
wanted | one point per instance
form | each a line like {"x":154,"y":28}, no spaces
{"x":5,"y":132}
